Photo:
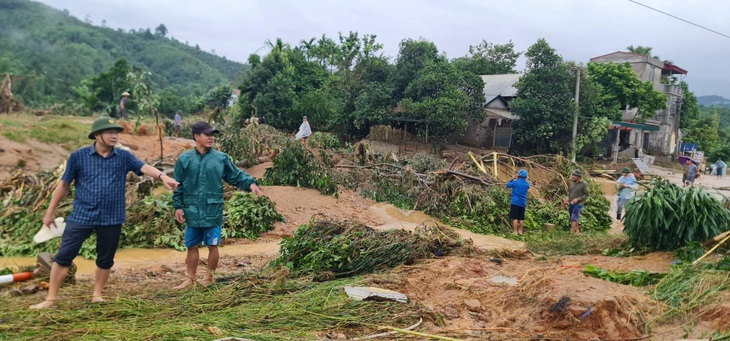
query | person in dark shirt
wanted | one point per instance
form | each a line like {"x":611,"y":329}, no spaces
{"x":577,"y":196}
{"x":99,"y":175}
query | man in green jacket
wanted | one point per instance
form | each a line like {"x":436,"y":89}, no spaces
{"x":577,"y":196}
{"x":198,"y":200}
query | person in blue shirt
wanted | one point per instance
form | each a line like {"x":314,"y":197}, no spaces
{"x":99,"y":175}
{"x":626,"y":185}
{"x":519,"y":186}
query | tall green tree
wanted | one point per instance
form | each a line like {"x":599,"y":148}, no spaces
{"x":413,"y":55}
{"x":444,"y":98}
{"x":544,"y":103}
{"x":622,"y":89}
{"x":489,"y":59}
{"x":690,"y":107}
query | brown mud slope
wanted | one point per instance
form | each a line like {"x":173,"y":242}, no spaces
{"x":520,"y":298}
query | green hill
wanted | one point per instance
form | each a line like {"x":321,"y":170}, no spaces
{"x":51,"y":51}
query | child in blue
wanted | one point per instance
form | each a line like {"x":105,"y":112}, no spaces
{"x":519,"y":186}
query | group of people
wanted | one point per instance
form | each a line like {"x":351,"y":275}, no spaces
{"x":578,"y":192}
{"x":99,"y":174}
{"x":577,"y":196}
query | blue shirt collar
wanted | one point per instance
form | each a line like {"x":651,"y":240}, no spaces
{"x":92,"y":150}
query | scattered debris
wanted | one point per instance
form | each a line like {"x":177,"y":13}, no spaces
{"x":561,"y":305}
{"x":375,"y":294}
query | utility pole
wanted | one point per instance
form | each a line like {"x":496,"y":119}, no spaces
{"x":575,"y":114}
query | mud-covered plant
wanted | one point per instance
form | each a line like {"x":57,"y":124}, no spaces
{"x":248,"y":216}
{"x":151,"y":223}
{"x":297,"y":166}
{"x":637,"y":278}
{"x":667,"y":216}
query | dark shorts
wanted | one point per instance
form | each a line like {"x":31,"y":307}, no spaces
{"x":74,"y":236}
{"x":516,"y":212}
{"x":574,"y":211}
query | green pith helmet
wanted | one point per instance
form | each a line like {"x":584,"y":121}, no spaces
{"x":626,"y":170}
{"x":104,"y":123}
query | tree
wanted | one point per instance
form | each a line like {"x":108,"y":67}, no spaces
{"x":690,"y":107}
{"x":161,"y":30}
{"x":639,"y":49}
{"x":444,"y":97}
{"x":544,"y":103}
{"x":413,"y":56}
{"x":622,"y":89}
{"x":489,"y":59}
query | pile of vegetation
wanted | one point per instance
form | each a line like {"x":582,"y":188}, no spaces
{"x":150,"y":221}
{"x":480,"y":204}
{"x":298,"y":166}
{"x":349,"y":249}
{"x":246,"y":145}
{"x":248,"y":216}
{"x":668,"y":217}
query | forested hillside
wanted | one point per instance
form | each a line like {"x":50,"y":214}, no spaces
{"x":50,"y":52}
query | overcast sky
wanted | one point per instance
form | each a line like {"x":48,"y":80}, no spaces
{"x":577,"y":29}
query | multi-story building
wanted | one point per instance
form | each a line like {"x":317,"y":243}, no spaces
{"x":658,"y":135}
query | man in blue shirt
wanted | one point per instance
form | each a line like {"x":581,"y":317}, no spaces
{"x":99,"y":174}
{"x":626,"y":185}
{"x":519,"y":186}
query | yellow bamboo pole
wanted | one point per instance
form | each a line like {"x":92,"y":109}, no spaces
{"x":712,"y":249}
{"x":495,"y":164}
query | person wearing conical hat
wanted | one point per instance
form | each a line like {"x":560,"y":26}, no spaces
{"x":99,"y":175}
{"x":123,"y":105}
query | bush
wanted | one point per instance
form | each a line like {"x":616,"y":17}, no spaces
{"x":323,"y":141}
{"x":667,"y":216}
{"x":297,"y":166}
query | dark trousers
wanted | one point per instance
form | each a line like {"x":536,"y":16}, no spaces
{"x":74,"y":236}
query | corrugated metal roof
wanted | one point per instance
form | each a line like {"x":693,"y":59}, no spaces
{"x":503,"y":85}
{"x":502,"y":113}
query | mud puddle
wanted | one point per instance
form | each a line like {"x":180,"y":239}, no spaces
{"x":408,"y":220}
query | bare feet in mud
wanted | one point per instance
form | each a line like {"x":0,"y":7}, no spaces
{"x":207,"y":281}
{"x":188,"y":282}
{"x":97,"y":299}
{"x":43,"y":305}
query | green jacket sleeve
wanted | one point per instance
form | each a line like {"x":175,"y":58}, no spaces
{"x":177,"y":195}
{"x":235,"y":176}
{"x":584,"y":197}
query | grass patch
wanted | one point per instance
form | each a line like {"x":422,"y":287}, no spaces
{"x":248,"y":307}
{"x":47,"y":129}
{"x":558,"y":243}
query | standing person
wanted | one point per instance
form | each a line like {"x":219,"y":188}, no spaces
{"x":519,"y":186}
{"x":123,"y":106}
{"x":304,"y":131}
{"x":198,"y":201}
{"x":178,"y":123}
{"x":626,"y":186}
{"x":577,"y":196}
{"x":720,"y":167}
{"x":693,"y":172}
{"x":99,"y":174}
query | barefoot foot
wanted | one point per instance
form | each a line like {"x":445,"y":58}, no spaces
{"x":43,"y":305}
{"x":97,"y":299}
{"x":188,"y":282}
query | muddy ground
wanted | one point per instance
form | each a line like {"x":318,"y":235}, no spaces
{"x":485,"y":299}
